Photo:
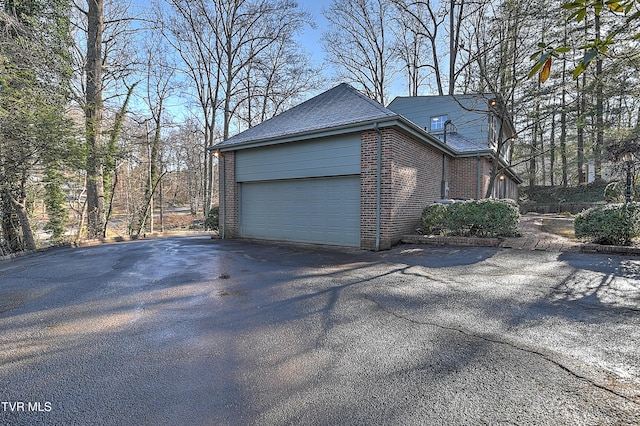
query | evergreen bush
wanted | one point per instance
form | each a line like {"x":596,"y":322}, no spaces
{"x":611,"y":224}
{"x":433,"y":218}
{"x":484,"y":218}
{"x":211,"y":222}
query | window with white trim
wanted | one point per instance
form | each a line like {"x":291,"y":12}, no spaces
{"x":437,"y":123}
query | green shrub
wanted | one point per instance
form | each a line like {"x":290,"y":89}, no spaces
{"x":612,"y":224}
{"x":433,"y":218}
{"x":484,"y":218}
{"x":212,"y":220}
{"x":614,"y":192}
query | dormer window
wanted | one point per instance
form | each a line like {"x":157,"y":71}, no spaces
{"x":438,"y":122}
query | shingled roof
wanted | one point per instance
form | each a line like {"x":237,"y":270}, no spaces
{"x":461,"y":143}
{"x":341,"y":106}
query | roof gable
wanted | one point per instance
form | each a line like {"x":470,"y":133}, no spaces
{"x":338,"y":107}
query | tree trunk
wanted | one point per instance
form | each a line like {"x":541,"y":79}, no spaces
{"x":152,"y":181}
{"x":563,"y":125}
{"x":552,"y":151}
{"x":110,"y":174}
{"x":93,"y":120}
{"x":495,"y":166}
{"x":597,"y":149}
{"x":21,"y":211}
{"x":534,"y":144}
{"x":10,"y":227}
{"x":582,"y":105}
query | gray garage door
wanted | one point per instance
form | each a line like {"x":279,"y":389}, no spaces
{"x":316,"y":210}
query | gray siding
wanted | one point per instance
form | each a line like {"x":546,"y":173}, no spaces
{"x":468,"y":114}
{"x":323,"y":157}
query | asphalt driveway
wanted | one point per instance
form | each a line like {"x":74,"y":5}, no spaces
{"x":194,"y":331}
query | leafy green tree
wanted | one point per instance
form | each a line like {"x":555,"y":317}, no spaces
{"x":34,"y":58}
{"x":624,"y":17}
{"x":55,"y":201}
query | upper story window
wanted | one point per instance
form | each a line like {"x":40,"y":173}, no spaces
{"x":437,"y":122}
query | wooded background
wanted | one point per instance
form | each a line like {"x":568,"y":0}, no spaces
{"x":107,"y":107}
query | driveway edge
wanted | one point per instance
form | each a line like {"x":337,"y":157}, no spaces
{"x":521,"y":243}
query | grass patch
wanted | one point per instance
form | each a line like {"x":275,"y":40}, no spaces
{"x":562,"y":227}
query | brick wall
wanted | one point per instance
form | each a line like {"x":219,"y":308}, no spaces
{"x":231,"y":199}
{"x":368,"y":188}
{"x":411,"y":178}
{"x":464,"y":182}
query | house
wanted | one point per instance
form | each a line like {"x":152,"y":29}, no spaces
{"x":475,"y":128}
{"x":338,"y":169}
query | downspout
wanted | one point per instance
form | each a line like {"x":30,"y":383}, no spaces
{"x":443,"y":185}
{"x":479,"y":195}
{"x":223,"y":196}
{"x":378,"y":188}
{"x":443,"y":191}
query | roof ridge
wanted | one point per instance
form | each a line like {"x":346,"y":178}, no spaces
{"x":373,"y":102}
{"x":340,"y":106}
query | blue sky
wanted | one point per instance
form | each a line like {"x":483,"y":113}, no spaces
{"x":311,"y":37}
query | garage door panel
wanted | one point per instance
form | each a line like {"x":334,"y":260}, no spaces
{"x":321,"y":210}
{"x":338,"y":156}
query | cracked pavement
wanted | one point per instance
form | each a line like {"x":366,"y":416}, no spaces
{"x":194,"y":331}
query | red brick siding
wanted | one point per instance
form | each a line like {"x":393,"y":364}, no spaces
{"x":411,"y":177}
{"x":368,"y":188}
{"x":464,"y":182}
{"x":231,"y":188}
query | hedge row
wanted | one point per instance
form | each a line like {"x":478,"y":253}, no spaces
{"x":611,"y":224}
{"x":484,"y":218}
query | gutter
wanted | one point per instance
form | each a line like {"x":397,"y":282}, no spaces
{"x":397,"y":120}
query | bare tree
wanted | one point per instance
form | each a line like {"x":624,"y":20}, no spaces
{"x":194,"y":37}
{"x":359,"y":44}
{"x":220,"y":43}
{"x":246,"y":31}
{"x":93,"y":107}
{"x":427,"y":21}
{"x":103,"y":60}
{"x":182,"y":153}
{"x":500,"y":41}
{"x":411,"y":47}
{"x":159,"y":84}
{"x":275,"y":80}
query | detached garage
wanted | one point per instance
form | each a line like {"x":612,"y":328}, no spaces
{"x":338,"y":169}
